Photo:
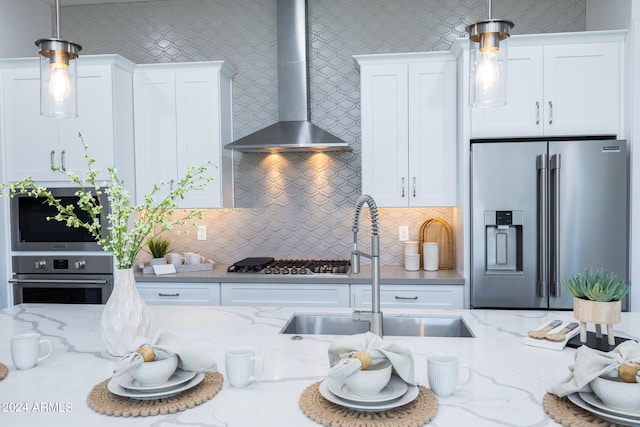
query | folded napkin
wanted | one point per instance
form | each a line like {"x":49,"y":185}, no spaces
{"x":343,"y":365}
{"x":590,"y":364}
{"x":165,"y":344}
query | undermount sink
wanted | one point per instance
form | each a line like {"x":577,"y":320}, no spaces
{"x":407,"y":326}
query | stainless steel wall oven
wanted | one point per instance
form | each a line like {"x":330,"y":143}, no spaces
{"x":53,"y":263}
{"x":65,"y":279}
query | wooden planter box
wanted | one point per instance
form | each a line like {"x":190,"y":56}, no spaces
{"x":598,"y":312}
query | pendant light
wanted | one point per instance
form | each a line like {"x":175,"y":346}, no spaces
{"x":58,"y":75}
{"x":488,"y":61}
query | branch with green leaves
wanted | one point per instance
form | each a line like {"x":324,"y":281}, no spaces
{"x":121,"y":231}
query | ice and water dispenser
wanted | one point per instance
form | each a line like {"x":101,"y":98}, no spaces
{"x":503,"y":241}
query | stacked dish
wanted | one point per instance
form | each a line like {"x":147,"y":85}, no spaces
{"x":126,"y":386}
{"x":396,"y":393}
{"x":592,"y":403}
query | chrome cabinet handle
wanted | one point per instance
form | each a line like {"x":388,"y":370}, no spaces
{"x":63,"y":155}
{"x":398,"y":297}
{"x":541,"y":166}
{"x":414,"y":186}
{"x":52,"y":160}
{"x":537,"y":112}
{"x":550,"y":112}
{"x":161,"y":294}
{"x":403,"y":186}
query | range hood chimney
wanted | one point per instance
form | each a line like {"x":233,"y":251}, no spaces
{"x":294,"y":131}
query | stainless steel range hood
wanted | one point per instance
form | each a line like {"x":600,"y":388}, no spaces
{"x":294,"y":131}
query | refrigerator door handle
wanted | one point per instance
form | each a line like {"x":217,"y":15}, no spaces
{"x":554,"y":165}
{"x":541,"y":166}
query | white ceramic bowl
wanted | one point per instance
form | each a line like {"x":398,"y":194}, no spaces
{"x":371,"y":381}
{"x":156,"y":372}
{"x":617,"y":393}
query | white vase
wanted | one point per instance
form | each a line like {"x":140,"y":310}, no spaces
{"x":125,"y":315}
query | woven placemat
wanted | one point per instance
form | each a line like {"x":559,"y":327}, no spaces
{"x":101,"y":400}
{"x":4,"y":371}
{"x":414,"y":414}
{"x":562,"y":411}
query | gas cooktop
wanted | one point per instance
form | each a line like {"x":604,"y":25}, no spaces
{"x":267,"y":265}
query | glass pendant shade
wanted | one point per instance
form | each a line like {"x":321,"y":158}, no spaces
{"x":488,"y":62}
{"x":58,"y":78}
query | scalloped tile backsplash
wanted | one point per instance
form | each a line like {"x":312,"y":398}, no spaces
{"x":297,"y":205}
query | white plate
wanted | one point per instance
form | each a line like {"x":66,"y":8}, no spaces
{"x":409,"y":396}
{"x":393,"y":390}
{"x":607,"y":416}
{"x":179,"y":377}
{"x":115,"y":388}
{"x":594,"y":400}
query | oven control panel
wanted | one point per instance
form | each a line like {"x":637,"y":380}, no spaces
{"x":92,"y":264}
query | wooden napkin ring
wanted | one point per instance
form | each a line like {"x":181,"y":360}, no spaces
{"x":364,"y":358}
{"x":628,"y":371}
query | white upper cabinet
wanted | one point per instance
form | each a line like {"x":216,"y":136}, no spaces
{"x":559,"y":85}
{"x":408,"y":108}
{"x":183,"y":119}
{"x":35,"y":145}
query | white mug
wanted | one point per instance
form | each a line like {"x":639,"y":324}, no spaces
{"x":242,"y":366}
{"x":26,"y":350}
{"x":195,"y":259}
{"x":187,"y":255}
{"x":443,"y":373}
{"x":177,"y":259}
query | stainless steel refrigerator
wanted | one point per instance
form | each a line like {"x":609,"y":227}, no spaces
{"x":541,"y":212}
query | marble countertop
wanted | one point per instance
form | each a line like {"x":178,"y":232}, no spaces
{"x":508,"y":383}
{"x":389,"y":274}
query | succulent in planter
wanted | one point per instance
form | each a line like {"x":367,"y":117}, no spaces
{"x":597,"y":285}
{"x":597,"y":299}
{"x":158,"y":247}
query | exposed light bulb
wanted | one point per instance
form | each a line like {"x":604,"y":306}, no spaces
{"x":59,"y":85}
{"x":488,"y":71}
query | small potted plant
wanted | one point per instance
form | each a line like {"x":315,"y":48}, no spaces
{"x":597,"y":298}
{"x":159,"y":248}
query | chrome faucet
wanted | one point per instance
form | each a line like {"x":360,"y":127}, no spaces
{"x":374,"y":317}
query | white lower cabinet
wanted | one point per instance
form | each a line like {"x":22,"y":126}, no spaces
{"x":167,"y":293}
{"x":410,"y":296}
{"x":282,"y":295}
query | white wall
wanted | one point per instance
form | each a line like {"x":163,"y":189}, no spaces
{"x":625,"y":14}
{"x":22,"y":22}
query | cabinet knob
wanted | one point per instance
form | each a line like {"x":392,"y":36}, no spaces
{"x":550,"y":112}
{"x":403,"y":186}
{"x":537,"y":112}
{"x":52,"y":160}
{"x":62,"y":160}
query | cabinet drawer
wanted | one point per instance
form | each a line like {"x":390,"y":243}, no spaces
{"x":298,"y":295}
{"x":180,"y":294}
{"x":410,"y":296}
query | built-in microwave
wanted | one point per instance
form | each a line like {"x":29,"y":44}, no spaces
{"x":34,"y":229}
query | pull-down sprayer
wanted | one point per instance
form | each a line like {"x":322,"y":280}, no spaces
{"x":374,"y":317}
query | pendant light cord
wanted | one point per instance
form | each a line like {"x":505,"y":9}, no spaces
{"x":488,"y":8}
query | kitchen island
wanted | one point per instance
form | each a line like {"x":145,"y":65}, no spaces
{"x":508,"y":383}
